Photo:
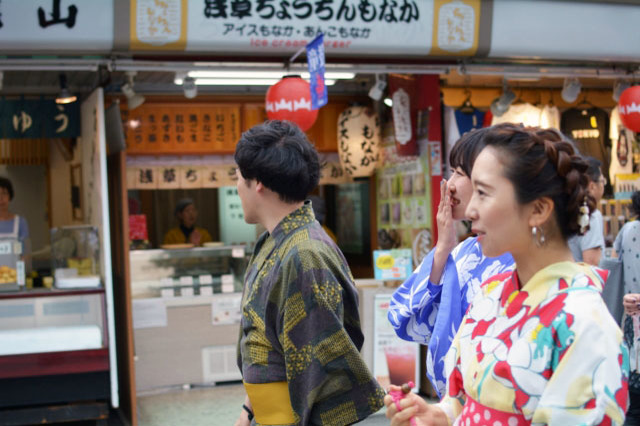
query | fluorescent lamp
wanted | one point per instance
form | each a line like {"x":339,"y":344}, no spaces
{"x":330,"y":75}
{"x":240,"y":81}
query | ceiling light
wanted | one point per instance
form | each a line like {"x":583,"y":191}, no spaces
{"x":500,"y":105}
{"x":377,"y":90}
{"x":388,"y":102}
{"x":331,"y":75}
{"x":65,"y":97}
{"x":134,"y":100}
{"x":570,"y":89}
{"x":239,"y":81}
{"x":619,"y":86}
{"x":189,"y":87}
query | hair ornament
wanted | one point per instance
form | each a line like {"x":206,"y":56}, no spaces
{"x":583,"y":218}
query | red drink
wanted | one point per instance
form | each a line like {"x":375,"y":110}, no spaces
{"x":401,"y":362}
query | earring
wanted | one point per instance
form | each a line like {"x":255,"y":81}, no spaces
{"x":583,"y":219}
{"x":538,"y":236}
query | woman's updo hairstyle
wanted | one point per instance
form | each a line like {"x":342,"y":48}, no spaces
{"x":540,"y":163}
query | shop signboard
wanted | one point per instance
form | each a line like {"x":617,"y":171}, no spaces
{"x":56,"y":25}
{"x":392,"y":264}
{"x":413,"y":27}
{"x":182,"y":128}
{"x":395,"y":361}
{"x":175,"y":176}
{"x":36,"y":118}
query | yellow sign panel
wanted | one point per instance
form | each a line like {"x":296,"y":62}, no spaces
{"x":456,"y":27}
{"x":158,"y":24}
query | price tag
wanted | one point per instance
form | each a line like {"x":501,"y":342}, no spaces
{"x":6,"y":246}
{"x":227,"y":283}
{"x":206,"y":291}
{"x":166,"y":282}
{"x":186,"y":291}
{"x":237,"y":252}
{"x":186,"y":280}
{"x":205,"y":279}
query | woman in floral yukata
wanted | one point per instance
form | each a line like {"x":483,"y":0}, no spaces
{"x":537,"y":345}
{"x":428,"y":307}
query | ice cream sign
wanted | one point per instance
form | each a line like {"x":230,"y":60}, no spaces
{"x":392,"y":264}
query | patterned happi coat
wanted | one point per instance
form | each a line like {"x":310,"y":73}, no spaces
{"x":547,"y":354}
{"x":300,"y":324}
{"x":430,"y":313}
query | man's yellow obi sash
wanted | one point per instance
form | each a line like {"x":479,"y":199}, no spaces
{"x":271,"y":403}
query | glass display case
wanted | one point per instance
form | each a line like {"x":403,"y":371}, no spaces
{"x":51,"y":321}
{"x":12,"y":272}
{"x":195,"y":271}
{"x":75,"y":256}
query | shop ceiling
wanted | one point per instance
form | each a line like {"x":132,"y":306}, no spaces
{"x":33,"y":77}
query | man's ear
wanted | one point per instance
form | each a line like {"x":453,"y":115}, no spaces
{"x":260,"y":187}
{"x":541,"y":211}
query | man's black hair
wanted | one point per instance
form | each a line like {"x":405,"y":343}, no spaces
{"x":6,"y":184}
{"x":594,"y":172}
{"x":279,"y":155}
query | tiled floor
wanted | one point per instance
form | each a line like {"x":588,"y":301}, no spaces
{"x":204,"y":406}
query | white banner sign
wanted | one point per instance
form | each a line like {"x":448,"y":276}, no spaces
{"x":63,"y":25}
{"x":349,"y":26}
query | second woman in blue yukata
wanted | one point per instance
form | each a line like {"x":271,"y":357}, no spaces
{"x":428,"y":307}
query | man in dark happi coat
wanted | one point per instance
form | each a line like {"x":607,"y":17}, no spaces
{"x":300,"y":333}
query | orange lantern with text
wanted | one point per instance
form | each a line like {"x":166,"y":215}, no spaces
{"x":290,"y":99}
{"x":629,"y":108}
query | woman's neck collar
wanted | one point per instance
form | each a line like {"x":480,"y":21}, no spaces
{"x":538,"y":258}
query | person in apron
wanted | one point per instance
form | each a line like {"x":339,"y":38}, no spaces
{"x":12,"y":226}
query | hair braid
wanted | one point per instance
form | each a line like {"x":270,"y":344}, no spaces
{"x":542,"y":163}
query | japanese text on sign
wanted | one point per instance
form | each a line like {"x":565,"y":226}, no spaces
{"x":326,"y":10}
{"x":355,"y":25}
{"x":164,"y":129}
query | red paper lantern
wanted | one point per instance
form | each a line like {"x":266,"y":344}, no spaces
{"x":290,"y":99}
{"x":629,"y":108}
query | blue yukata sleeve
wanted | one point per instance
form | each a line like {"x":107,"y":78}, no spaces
{"x":415,"y":304}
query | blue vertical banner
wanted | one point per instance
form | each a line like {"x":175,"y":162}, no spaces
{"x":315,"y":63}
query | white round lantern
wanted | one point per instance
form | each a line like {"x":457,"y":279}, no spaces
{"x":359,"y":141}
